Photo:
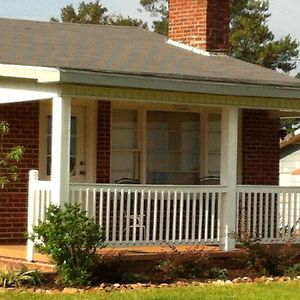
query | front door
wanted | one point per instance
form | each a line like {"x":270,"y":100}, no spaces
{"x":77,"y":143}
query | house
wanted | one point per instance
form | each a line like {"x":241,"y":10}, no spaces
{"x":96,"y":104}
{"x":289,"y":167}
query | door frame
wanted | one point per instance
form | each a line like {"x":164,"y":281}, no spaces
{"x":88,"y":126}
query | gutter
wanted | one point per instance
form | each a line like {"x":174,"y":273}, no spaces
{"x":48,"y":75}
{"x":177,"y":84}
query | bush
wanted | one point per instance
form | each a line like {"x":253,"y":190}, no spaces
{"x":71,"y":239}
{"x":293,"y":271}
{"x":218,"y":273}
{"x":267,"y":259}
{"x":19,"y":277}
{"x":191,"y":264}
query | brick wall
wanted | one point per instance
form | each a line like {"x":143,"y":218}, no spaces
{"x":260,"y":148}
{"x":103,"y":142}
{"x":200,"y":23}
{"x":24,"y":122}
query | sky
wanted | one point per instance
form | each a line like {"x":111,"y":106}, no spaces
{"x":284,"y":13}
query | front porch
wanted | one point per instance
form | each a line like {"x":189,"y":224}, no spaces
{"x":156,"y":215}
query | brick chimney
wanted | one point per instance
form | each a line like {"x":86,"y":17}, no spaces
{"x":202,"y":24}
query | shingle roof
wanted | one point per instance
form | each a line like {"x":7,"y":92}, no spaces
{"x":120,"y":50}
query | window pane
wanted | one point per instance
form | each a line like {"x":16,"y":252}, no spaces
{"x":125,"y":153}
{"x":173,"y":147}
{"x":73,"y":143}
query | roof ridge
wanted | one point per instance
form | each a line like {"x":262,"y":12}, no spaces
{"x":71,"y":24}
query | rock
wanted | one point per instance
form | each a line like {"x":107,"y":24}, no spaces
{"x":219,"y":282}
{"x":164,"y":285}
{"x":69,"y":290}
{"x":228,"y":282}
{"x":237,"y":280}
{"x":116,"y":285}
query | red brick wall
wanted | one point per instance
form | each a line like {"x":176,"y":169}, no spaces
{"x":200,"y":23}
{"x":103,"y":142}
{"x":24,"y":122}
{"x":260,"y":148}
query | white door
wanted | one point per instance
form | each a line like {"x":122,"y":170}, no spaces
{"x":77,"y":143}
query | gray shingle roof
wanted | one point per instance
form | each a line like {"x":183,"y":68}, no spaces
{"x":120,"y":50}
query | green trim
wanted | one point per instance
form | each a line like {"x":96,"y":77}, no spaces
{"x":163,"y":97}
{"x":178,"y":85}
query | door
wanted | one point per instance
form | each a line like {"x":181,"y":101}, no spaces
{"x":77,"y":143}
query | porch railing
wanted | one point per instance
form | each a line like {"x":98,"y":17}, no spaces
{"x":153,"y":214}
{"x":191,"y":215}
{"x":268,"y":213}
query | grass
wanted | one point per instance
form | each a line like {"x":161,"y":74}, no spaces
{"x":271,"y":291}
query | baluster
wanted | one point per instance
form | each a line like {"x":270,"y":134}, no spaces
{"x":194,"y":218}
{"x":161,"y":219}
{"x":187,"y":217}
{"x":181,"y":216}
{"x":154,"y":217}
{"x":107,"y":216}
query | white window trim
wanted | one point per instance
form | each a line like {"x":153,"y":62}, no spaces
{"x":142,"y":110}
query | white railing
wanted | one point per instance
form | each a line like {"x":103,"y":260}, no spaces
{"x":269,"y":213}
{"x":39,"y":199}
{"x":153,"y":214}
{"x":158,"y":214}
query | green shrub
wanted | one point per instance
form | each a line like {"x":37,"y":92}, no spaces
{"x":191,"y":264}
{"x":9,"y":158}
{"x":293,"y":271}
{"x":267,"y":259}
{"x":20,"y":277}
{"x":71,"y":239}
{"x":218,"y":273}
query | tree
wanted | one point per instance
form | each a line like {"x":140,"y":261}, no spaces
{"x":8,"y":157}
{"x":250,"y":37}
{"x":158,"y":8}
{"x":94,"y":13}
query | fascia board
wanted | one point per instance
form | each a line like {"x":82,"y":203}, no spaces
{"x":178,"y":85}
{"x":41,"y":74}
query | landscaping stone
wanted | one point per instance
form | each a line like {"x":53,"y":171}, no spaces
{"x":69,"y":290}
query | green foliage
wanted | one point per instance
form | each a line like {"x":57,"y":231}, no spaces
{"x":293,"y":271}
{"x":20,"y":277}
{"x":160,"y":9}
{"x":251,"y":39}
{"x":71,"y":239}
{"x":94,"y":13}
{"x":8,"y":157}
{"x":182,"y":265}
{"x":218,"y":273}
{"x":267,"y":259}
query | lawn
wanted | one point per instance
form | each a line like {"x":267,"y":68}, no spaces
{"x":273,"y":291}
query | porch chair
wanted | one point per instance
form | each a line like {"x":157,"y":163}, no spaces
{"x":209,"y":180}
{"x":132,"y":218}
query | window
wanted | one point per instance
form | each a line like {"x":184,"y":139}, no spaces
{"x":173,"y":148}
{"x":125,"y":150}
{"x":73,"y":143}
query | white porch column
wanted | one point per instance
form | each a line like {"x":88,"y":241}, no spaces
{"x":229,"y":156}
{"x":61,"y":114}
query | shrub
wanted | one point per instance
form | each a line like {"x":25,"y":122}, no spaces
{"x":293,"y":271}
{"x":267,"y":259}
{"x":8,"y":157}
{"x":19,"y":277}
{"x":190,"y":264}
{"x":71,"y":239}
{"x":218,"y":273}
